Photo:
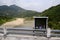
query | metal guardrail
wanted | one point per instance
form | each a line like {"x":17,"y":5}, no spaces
{"x":37,"y":32}
{"x":21,"y":31}
{"x":56,"y":31}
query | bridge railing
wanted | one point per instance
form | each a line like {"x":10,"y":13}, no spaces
{"x":34,"y":32}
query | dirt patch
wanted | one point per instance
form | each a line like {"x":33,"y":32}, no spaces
{"x":18,"y":21}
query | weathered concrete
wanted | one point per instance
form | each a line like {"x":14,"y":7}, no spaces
{"x":26,"y":37}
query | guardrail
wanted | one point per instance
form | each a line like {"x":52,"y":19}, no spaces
{"x":35,"y":32}
{"x":21,"y":31}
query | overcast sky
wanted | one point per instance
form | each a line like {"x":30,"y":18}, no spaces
{"x":36,"y":5}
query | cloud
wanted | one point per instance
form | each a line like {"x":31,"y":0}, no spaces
{"x":6,"y":2}
{"x":38,"y":5}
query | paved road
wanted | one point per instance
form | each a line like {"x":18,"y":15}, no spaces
{"x":26,"y":37}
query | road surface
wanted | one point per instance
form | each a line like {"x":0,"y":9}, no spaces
{"x":26,"y":37}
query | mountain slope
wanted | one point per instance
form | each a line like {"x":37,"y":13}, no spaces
{"x":54,"y":16}
{"x":15,"y":11}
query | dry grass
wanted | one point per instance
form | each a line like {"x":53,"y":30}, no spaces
{"x":19,"y":22}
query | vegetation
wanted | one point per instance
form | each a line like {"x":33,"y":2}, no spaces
{"x":54,"y":16}
{"x":9,"y":12}
{"x":4,"y":19}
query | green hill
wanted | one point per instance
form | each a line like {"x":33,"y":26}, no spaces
{"x":54,"y":16}
{"x":13,"y":11}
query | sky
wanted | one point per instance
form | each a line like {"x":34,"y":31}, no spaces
{"x":35,"y":5}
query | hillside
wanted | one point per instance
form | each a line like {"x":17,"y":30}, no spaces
{"x":10,"y":12}
{"x":15,"y":11}
{"x":54,"y":16}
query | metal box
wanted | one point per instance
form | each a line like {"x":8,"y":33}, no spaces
{"x":40,"y":22}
